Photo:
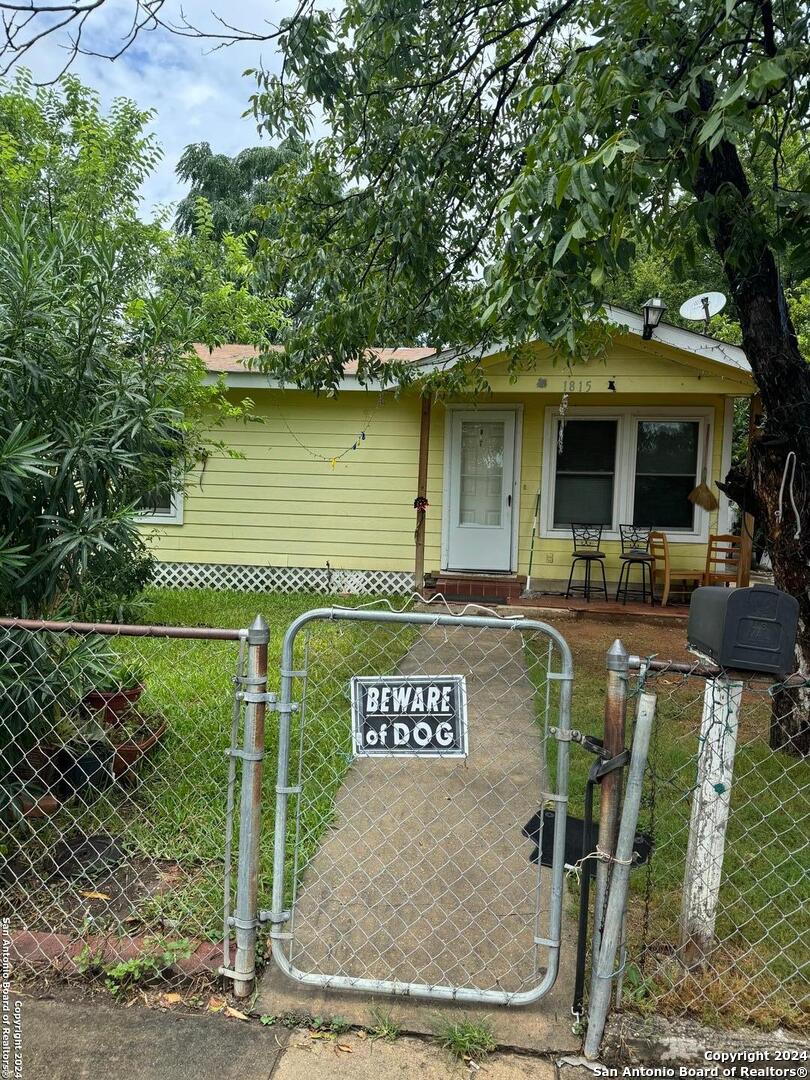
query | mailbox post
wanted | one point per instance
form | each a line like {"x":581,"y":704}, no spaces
{"x":709,"y":819}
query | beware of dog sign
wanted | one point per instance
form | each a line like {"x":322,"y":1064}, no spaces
{"x":409,"y":716}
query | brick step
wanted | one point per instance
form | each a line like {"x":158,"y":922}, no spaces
{"x":481,"y":588}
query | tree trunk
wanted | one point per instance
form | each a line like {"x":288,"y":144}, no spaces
{"x":783,"y":378}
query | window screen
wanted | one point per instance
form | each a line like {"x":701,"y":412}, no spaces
{"x":666,"y":468}
{"x":586,"y":466}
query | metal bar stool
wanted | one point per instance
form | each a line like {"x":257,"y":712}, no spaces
{"x":587,"y":540}
{"x":636,"y":552}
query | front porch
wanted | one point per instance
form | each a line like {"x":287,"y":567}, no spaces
{"x":503,"y":483}
{"x":510,"y":591}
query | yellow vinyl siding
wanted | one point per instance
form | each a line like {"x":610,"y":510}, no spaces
{"x":559,"y":548}
{"x":278,"y":505}
{"x":281,"y":505}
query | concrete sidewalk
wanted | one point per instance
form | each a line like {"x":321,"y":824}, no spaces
{"x":89,"y":1041}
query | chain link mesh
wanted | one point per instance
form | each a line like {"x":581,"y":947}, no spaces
{"x":410,"y":869}
{"x":754,"y":966}
{"x":113,"y":794}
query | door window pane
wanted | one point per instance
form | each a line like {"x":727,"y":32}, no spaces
{"x":666,"y":471}
{"x":481,"y":482}
{"x":583,"y":489}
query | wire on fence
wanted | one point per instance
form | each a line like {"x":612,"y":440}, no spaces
{"x":408,"y":869}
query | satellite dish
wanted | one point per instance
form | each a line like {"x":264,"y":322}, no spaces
{"x":702,"y":307}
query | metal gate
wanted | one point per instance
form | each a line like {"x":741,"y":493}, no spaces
{"x":402,"y":861}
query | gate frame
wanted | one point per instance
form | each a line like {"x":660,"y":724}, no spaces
{"x":562,"y":733}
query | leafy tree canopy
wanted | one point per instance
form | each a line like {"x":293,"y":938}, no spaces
{"x":237,"y":188}
{"x":102,"y":396}
{"x":504,"y":163}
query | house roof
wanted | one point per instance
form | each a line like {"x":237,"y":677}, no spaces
{"x":702,"y":346}
{"x":228,"y":359}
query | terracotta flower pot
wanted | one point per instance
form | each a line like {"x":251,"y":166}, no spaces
{"x":129,"y":754}
{"x":112,"y":704}
{"x":42,"y":807}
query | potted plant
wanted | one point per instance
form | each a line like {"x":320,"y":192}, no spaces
{"x":132,"y":739}
{"x":115,"y":691}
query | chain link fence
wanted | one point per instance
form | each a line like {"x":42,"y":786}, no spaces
{"x":113,"y":792}
{"x":717,"y":922}
{"x":117,"y":786}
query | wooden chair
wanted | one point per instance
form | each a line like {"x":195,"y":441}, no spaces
{"x":722,"y":559}
{"x":682,"y":581}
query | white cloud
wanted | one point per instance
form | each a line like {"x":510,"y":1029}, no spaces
{"x":197,"y":91}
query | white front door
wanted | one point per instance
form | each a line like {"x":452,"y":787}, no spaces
{"x":480,"y":492}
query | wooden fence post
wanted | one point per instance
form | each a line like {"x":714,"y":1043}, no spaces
{"x":709,"y":820}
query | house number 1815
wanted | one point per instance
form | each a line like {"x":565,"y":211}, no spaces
{"x":576,"y":386}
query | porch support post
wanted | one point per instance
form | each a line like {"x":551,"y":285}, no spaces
{"x":748,"y":523}
{"x":421,"y":495}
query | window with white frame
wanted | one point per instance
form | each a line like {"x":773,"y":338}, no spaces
{"x":665,"y":470}
{"x":161,"y":506}
{"x":586,"y":471}
{"x":625,"y":466}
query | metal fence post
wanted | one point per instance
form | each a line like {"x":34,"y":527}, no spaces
{"x":245,"y":920}
{"x":610,"y":787}
{"x":617,"y":898}
{"x":709,"y":819}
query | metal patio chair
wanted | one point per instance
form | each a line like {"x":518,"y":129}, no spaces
{"x":636,"y":552}
{"x":587,"y":542}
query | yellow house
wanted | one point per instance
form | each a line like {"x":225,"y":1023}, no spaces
{"x":323,"y":496}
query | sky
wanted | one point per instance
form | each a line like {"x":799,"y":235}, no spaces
{"x":199,"y":95}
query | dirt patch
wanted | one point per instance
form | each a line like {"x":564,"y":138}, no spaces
{"x":591,"y":638}
{"x":89,"y":877}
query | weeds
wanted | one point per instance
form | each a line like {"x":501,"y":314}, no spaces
{"x":147,"y":965}
{"x":466,"y":1040}
{"x":385,"y":1027}
{"x":334,"y":1025}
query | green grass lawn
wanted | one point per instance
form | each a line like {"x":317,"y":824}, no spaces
{"x":759,"y":973}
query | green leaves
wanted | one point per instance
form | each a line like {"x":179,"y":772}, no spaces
{"x":561,"y":247}
{"x":766,"y":74}
{"x":101,"y":393}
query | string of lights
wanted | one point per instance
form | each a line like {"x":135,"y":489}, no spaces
{"x":333,"y":459}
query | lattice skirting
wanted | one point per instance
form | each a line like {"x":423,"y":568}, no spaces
{"x":317,"y":579}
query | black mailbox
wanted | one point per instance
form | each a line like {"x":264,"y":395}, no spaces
{"x":749,"y":629}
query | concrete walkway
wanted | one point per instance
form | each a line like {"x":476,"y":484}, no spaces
{"x":424,"y":875}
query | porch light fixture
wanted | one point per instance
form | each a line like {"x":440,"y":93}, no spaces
{"x":653,"y":312}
